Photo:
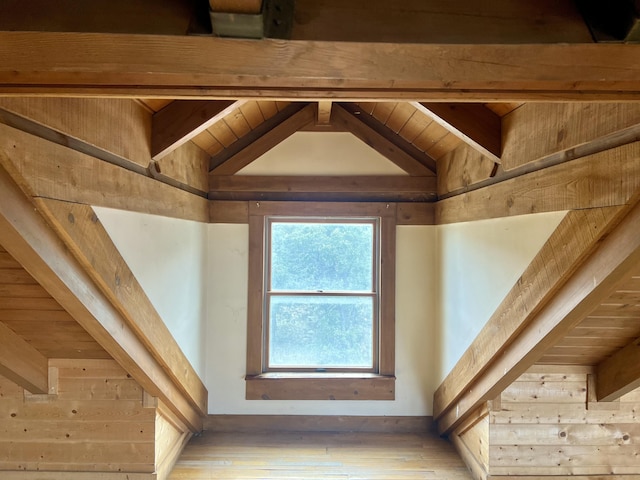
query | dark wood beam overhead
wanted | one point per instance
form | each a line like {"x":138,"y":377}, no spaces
{"x":181,"y":120}
{"x":473,"y":123}
{"x":317,"y":188}
{"x":382,"y":139}
{"x":262,"y":139}
{"x":204,"y":67}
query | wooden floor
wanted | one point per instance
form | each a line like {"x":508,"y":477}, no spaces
{"x":370,"y":456}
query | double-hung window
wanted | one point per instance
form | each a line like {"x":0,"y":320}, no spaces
{"x":321,"y":309}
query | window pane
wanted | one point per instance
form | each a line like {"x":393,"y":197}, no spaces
{"x":317,"y":332}
{"x":321,"y":256}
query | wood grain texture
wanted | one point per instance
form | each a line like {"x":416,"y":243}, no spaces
{"x":79,"y":227}
{"x":316,"y":423}
{"x":262,"y":139}
{"x":317,"y":188}
{"x":188,"y":164}
{"x":604,"y":179}
{"x":574,"y":238}
{"x":36,"y":246}
{"x":48,"y":170}
{"x":605,"y":268}
{"x":472,"y":123}
{"x":91,"y":425}
{"x":182,"y":120}
{"x":104,"y":64}
{"x":319,"y":455}
{"x":21,"y":363}
{"x":348,"y":387}
{"x":539,"y":130}
{"x":462,"y":167}
{"x":383,"y":140}
{"x":119,"y":126}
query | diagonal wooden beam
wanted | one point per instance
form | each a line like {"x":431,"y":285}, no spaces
{"x":317,"y":188}
{"x":616,"y":254}
{"x":30,"y":240}
{"x":181,"y":120}
{"x":102,"y":64}
{"x":21,"y":363}
{"x":384,"y":140}
{"x":473,"y":123}
{"x":262,"y":139}
{"x":619,"y":374}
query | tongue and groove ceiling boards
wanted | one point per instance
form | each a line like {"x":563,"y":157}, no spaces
{"x":509,"y":109}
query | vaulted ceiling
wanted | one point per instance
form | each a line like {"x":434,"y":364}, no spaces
{"x":505,"y":110}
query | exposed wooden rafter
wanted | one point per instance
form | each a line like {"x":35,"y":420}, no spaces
{"x":152,"y":66}
{"x":384,"y":140}
{"x":181,"y":120}
{"x":473,"y":123}
{"x":613,"y":257}
{"x":262,"y":139}
{"x":43,"y":254}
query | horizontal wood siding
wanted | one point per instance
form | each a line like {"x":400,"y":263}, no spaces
{"x":93,"y":421}
{"x":547,"y":425}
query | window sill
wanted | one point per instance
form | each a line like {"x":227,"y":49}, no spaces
{"x":320,"y":386}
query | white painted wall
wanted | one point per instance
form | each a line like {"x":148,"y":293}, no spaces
{"x":479,"y":262}
{"x":322,"y":153}
{"x":168,"y":258}
{"x":415,"y":325}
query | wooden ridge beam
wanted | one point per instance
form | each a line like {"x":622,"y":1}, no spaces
{"x":616,"y":254}
{"x":98,"y":64}
{"x":181,"y":120}
{"x":383,"y":140}
{"x":619,"y":374}
{"x":30,"y":240}
{"x":50,"y":170}
{"x":316,"y":188}
{"x":473,"y":123}
{"x":604,"y":179}
{"x":21,"y":363}
{"x":80,"y":229}
{"x":262,"y":139}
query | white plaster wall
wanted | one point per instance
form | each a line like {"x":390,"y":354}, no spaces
{"x":479,"y":262}
{"x":168,"y":258}
{"x":322,"y":153}
{"x":415,"y":324}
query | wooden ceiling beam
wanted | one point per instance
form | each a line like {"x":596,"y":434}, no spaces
{"x":181,"y":120}
{"x":619,"y":374}
{"x":604,"y":179}
{"x":21,"y":363}
{"x":50,"y":170}
{"x":323,"y":188}
{"x":473,"y":123}
{"x":602,"y":265}
{"x":262,"y":139}
{"x":383,"y":140}
{"x":204,"y":67}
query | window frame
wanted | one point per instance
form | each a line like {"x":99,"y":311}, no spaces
{"x":307,"y":385}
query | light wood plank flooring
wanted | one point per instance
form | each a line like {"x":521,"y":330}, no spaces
{"x":348,"y":456}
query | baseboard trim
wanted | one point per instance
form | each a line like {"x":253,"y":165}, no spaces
{"x":317,"y":423}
